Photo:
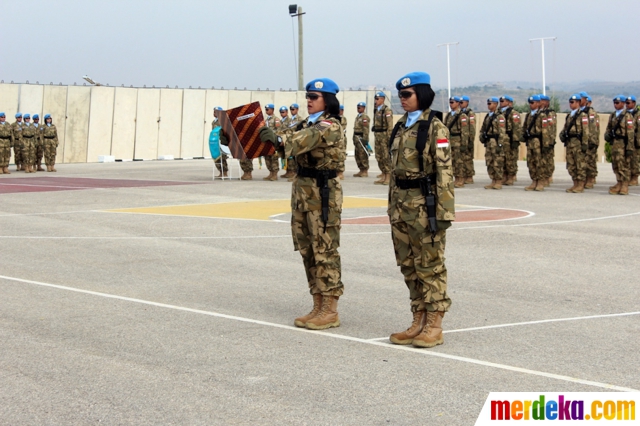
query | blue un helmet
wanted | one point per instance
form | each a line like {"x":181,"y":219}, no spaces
{"x":584,"y":95}
{"x":465,"y":98}
{"x":506,"y":98}
{"x":455,"y":99}
{"x":534,"y":98}
{"x":341,"y":107}
{"x":294,"y":106}
{"x":575,"y":97}
{"x":324,"y":85}
{"x":362,"y":104}
{"x":380,"y":95}
{"x":47,"y":116}
{"x":26,"y":116}
{"x":283,"y":108}
{"x":588,"y":98}
{"x":18,"y":115}
{"x":631,"y":98}
{"x":493,"y":100}
{"x":269,"y":106}
{"x":2,"y":114}
{"x":544,"y":98}
{"x":620,"y":98}
{"x":218,"y":108}
{"x":36,"y":117}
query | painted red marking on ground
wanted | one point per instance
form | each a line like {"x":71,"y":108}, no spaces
{"x":43,"y":184}
{"x":469,"y":216}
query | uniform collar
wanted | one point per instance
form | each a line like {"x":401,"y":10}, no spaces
{"x":314,"y":117}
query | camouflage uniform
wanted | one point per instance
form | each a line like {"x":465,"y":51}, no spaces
{"x":318,"y":148}
{"x":634,"y":165}
{"x":221,"y":163}
{"x":246,"y":165}
{"x":576,"y":140}
{"x":284,"y":125}
{"x":6,"y":142}
{"x":458,"y":124}
{"x":39,"y":146}
{"x":469,"y":154}
{"x":533,"y":124}
{"x":16,"y":128}
{"x":622,"y":144}
{"x":421,"y":257}
{"x":494,"y":137}
{"x":30,"y":136}
{"x":550,"y":128}
{"x":591,"y":157}
{"x":271,"y":161}
{"x":343,"y":123}
{"x":382,"y":127}
{"x":512,"y":147}
{"x":50,"y":137}
{"x":360,"y":140}
{"x":294,"y":120}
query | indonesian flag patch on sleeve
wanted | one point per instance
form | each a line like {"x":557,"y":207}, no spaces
{"x":443,"y":143}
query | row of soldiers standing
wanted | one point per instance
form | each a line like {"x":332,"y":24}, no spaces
{"x":30,"y":142}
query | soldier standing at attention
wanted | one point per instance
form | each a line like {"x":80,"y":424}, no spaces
{"x":6,"y":142}
{"x":514,"y":134}
{"x":29,"y":136}
{"x":493,"y":136}
{"x":421,"y":208}
{"x":292,"y":166}
{"x":458,"y":124}
{"x":361,"y":140}
{"x":39,"y":143}
{"x":532,"y":135}
{"x":221,"y":164}
{"x":271,"y":161}
{"x":591,"y":156}
{"x":50,"y":136}
{"x":619,"y":134}
{"x":551,"y":132}
{"x":285,"y":121}
{"x":343,"y":123}
{"x":16,"y":129}
{"x":469,"y":154}
{"x":635,"y":159}
{"x":382,"y":126}
{"x":316,"y":202}
{"x":575,"y":137}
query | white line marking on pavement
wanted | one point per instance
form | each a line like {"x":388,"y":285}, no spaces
{"x":331,"y":335}
{"x":549,"y":223}
{"x":515,"y":324}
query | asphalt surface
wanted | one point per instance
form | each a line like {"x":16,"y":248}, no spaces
{"x":125,"y":318}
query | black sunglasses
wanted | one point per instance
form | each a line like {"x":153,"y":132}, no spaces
{"x":453,"y":102}
{"x":617,"y":102}
{"x":312,"y":96}
{"x":573,"y":102}
{"x":405,"y":94}
{"x":532,"y":102}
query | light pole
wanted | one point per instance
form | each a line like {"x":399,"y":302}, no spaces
{"x":295,"y":10}
{"x":90,"y":81}
{"x":542,"y":39}
{"x":448,"y":65}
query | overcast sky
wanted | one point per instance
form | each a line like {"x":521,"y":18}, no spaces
{"x":250,"y":43}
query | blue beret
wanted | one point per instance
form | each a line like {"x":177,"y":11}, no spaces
{"x":294,"y":106}
{"x":18,"y":115}
{"x":575,"y":97}
{"x":362,"y":104}
{"x":26,"y":116}
{"x":218,"y":108}
{"x":341,"y":107}
{"x":322,"y":85}
{"x":545,"y":98}
{"x":269,"y":106}
{"x":465,"y":98}
{"x":47,"y":116}
{"x":584,"y":95}
{"x":283,"y":108}
{"x":35,"y":116}
{"x":2,"y":114}
{"x":588,"y":98}
{"x":455,"y":98}
{"x":631,"y":98}
{"x":493,"y":99}
{"x":507,"y":98}
{"x":620,"y":98}
{"x":534,"y":98}
{"x":412,"y":79}
{"x":381,"y":95}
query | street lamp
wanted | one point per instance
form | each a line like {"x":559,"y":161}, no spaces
{"x":448,"y":65}
{"x":90,"y":81}
{"x":295,"y":10}
{"x":542,"y":39}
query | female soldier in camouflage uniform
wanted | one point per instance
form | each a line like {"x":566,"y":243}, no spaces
{"x":316,"y":201}
{"x":421,"y":208}
{"x":50,"y":136}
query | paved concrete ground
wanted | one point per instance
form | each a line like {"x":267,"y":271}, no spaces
{"x":128,"y":318}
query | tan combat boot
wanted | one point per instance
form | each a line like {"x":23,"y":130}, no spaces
{"x":340,"y":175}
{"x":550,"y":181}
{"x":459,"y":182}
{"x":579,"y":188}
{"x":387,"y":179}
{"x":48,"y":168}
{"x":407,"y":336}
{"x":384,"y":180}
{"x":317,"y":305}
{"x":40,"y":169}
{"x":246,"y":176}
{"x":540,"y":185}
{"x":508,"y":181}
{"x":361,"y":173}
{"x":545,"y":182}
{"x":286,"y":175}
{"x":634,"y":180}
{"x":589,"y":183}
{"x":53,"y":168}
{"x":532,"y":187}
{"x":615,"y":190}
{"x":328,"y":315}
{"x":624,"y":188}
{"x":380,"y":175}
{"x":468,"y":179}
{"x":490,"y":186}
{"x":497,"y":185}
{"x":431,"y":334}
{"x":575,"y":183}
{"x":293,"y":177}
{"x":274,"y":176}
{"x":268,"y":177}
{"x":6,"y":170}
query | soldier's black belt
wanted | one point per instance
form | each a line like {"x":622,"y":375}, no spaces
{"x":378,"y":130}
{"x":5,"y":137}
{"x":27,"y":137}
{"x":358,"y":133}
{"x":574,"y":135}
{"x":620,"y":138}
{"x":413,"y":183}
{"x":493,"y":135}
{"x":49,"y":137}
{"x":455,"y":134}
{"x":536,"y":135}
{"x":315,"y":173}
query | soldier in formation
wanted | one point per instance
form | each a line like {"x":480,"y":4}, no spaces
{"x":6,"y":142}
{"x":361,"y":140}
{"x":635,"y":159}
{"x":39,"y":143}
{"x":30,"y":136}
{"x":457,"y":123}
{"x":549,"y":122}
{"x":421,"y":208}
{"x":50,"y":138}
{"x":271,"y":161}
{"x":532,"y":135}
{"x":591,"y":156}
{"x":285,"y":122}
{"x":619,"y":134}
{"x":16,"y":129}
{"x":514,"y":135}
{"x":575,"y":137}
{"x":382,"y":126}
{"x":221,"y":164}
{"x":468,"y":155}
{"x":493,"y":136}
{"x":292,"y":166}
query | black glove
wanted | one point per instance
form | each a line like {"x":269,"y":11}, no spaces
{"x":607,"y":137}
{"x":443,"y":224}
{"x":223,"y":139}
{"x":267,"y":135}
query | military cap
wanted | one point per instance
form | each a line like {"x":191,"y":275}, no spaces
{"x":18,"y":115}
{"x":380,"y":95}
{"x":283,"y":108}
{"x":35,"y":116}
{"x":584,"y":95}
{"x":465,"y":98}
{"x":362,"y":104}
{"x":619,"y":98}
{"x":294,"y":106}
{"x":412,"y":79}
{"x":534,"y":98}
{"x":47,"y":116}
{"x":493,"y":99}
{"x":588,"y":98}
{"x":455,"y":98}
{"x":545,"y":98}
{"x":267,"y":106}
{"x":342,"y":107}
{"x":26,"y":116}
{"x":218,"y":108}
{"x":322,"y":85}
{"x":575,"y":97}
{"x":2,"y":114}
{"x":631,"y":98}
{"x":506,"y":98}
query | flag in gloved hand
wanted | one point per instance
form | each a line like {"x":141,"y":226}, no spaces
{"x":214,"y":143}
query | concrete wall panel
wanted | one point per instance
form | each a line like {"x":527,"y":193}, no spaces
{"x":238,"y":98}
{"x":100,"y":122}
{"x":77,"y":125}
{"x":263,"y":97}
{"x":148,"y":110}
{"x":213,"y":98}
{"x":124,"y":123}
{"x":9,"y":99}
{"x":170,"y":129}
{"x":31,"y":96}
{"x":192,"y":123}
{"x":284,"y":99}
{"x":55,"y":103}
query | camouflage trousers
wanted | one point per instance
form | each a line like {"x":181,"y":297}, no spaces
{"x":28,"y":152}
{"x":457,"y":158}
{"x":511,"y":159}
{"x":319,"y":249}
{"x":221,"y":163}
{"x":591,"y":162}
{"x":494,"y":158}
{"x":17,"y":153}
{"x":534,"y":159}
{"x":39,"y":153}
{"x":382,"y":151}
{"x":469,"y":168}
{"x":292,"y":165}
{"x":634,"y":164}
{"x":50,"y":149}
{"x":549,"y":161}
{"x":246,"y":165}
{"x":272,"y":162}
{"x":421,"y":262}
{"x":620,"y":161}
{"x":576,"y":165}
{"x":5,"y":152}
{"x":361,"y":153}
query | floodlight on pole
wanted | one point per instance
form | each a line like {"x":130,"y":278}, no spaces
{"x":90,"y":81}
{"x":295,"y":10}
{"x":542,"y":39}
{"x":448,"y":65}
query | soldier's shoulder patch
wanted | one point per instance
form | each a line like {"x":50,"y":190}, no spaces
{"x":630,"y":124}
{"x":388,"y":114}
{"x":472,"y":118}
{"x":442,"y":143}
{"x":323,"y":125}
{"x":585,"y":120}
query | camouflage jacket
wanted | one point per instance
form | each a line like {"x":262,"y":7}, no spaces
{"x":6,"y":133}
{"x":494,"y":129}
{"x":50,"y":134}
{"x":406,"y":204}
{"x":40,"y":137}
{"x":30,"y":133}
{"x":16,"y":129}
{"x":594,"y":126}
{"x":319,"y":147}
{"x":622,"y":128}
{"x":535,"y":127}
{"x":458,"y":128}
{"x":472,"y":123}
{"x":273,"y":122}
{"x":577,"y":132}
{"x":383,"y":120}
{"x":361,"y":127}
{"x":284,"y":125}
{"x":514,"y":125}
{"x":549,"y":127}
{"x":636,"y":115}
